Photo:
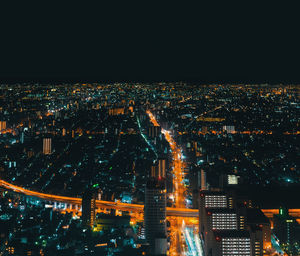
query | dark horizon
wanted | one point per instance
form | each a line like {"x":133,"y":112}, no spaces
{"x":187,"y":43}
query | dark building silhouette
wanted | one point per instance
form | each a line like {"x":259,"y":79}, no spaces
{"x":89,"y":208}
{"x":286,"y":228}
{"x":155,"y":215}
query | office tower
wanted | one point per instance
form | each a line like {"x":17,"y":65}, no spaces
{"x":209,"y":201}
{"x":89,"y":208}
{"x":216,"y":220}
{"x":212,"y":199}
{"x":259,"y":224}
{"x":203,"y":180}
{"x":286,"y":228}
{"x":229,"y":128}
{"x":155,"y":215}
{"x":154,"y":131}
{"x":228,"y":227}
{"x":47,"y":146}
{"x":229,"y":243}
{"x":256,"y":237}
{"x":2,"y":125}
{"x":158,"y":170}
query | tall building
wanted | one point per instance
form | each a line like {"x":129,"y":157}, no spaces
{"x":155,"y":215}
{"x":216,"y":220}
{"x":47,"y":146}
{"x":229,"y":243}
{"x":158,"y":170}
{"x":257,"y":222}
{"x":2,"y":125}
{"x":203,"y":180}
{"x":229,"y":128}
{"x":89,"y":208}
{"x":154,"y":131}
{"x":228,"y":227}
{"x":286,"y":228}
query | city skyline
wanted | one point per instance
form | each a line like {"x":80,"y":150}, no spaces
{"x":154,"y":168}
{"x":150,"y":129}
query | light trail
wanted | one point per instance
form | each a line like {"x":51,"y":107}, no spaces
{"x":177,"y":243}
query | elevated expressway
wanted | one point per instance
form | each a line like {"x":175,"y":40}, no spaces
{"x":74,"y":202}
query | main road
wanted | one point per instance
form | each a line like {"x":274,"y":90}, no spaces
{"x":178,"y":245}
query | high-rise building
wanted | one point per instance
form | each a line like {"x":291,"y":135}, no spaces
{"x":155,"y":215}
{"x":229,"y":243}
{"x":89,"y":208}
{"x":228,"y":227}
{"x":229,"y":128}
{"x":286,"y":228}
{"x":203,"y":180}
{"x":158,"y":170}
{"x":154,"y":131}
{"x":258,"y":223}
{"x":47,"y":146}
{"x":2,"y":125}
{"x":216,"y":220}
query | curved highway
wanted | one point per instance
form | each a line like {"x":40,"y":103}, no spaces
{"x":183,"y":212}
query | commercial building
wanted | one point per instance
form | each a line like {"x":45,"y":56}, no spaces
{"x":47,"y":146}
{"x":89,"y":208}
{"x":203,"y":180}
{"x":2,"y":125}
{"x":154,"y":131}
{"x":229,"y":243}
{"x":286,"y":228}
{"x":228,"y":227}
{"x":155,"y":215}
{"x":158,"y":170}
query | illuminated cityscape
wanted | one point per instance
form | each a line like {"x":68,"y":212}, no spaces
{"x":149,"y":169}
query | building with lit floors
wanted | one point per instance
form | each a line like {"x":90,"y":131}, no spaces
{"x":286,"y":229}
{"x":155,"y":216}
{"x":228,"y":227}
{"x":47,"y":146}
{"x":154,"y":131}
{"x":89,"y":208}
{"x":158,"y":170}
{"x":230,"y":243}
{"x":260,"y":228}
{"x":216,"y":220}
{"x":2,"y":125}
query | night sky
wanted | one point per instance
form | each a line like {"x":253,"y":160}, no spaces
{"x":216,"y":43}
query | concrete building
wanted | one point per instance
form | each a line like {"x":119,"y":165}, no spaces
{"x":229,"y":243}
{"x":47,"y":146}
{"x":155,"y":215}
{"x":154,"y":131}
{"x":89,"y":208}
{"x":2,"y":125}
